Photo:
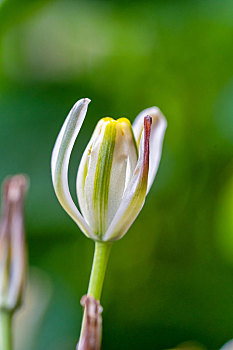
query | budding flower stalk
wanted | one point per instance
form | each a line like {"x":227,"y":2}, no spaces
{"x":12,"y":254}
{"x":115,"y":174}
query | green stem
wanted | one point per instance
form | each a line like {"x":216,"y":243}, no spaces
{"x":5,"y":330}
{"x":102,"y":252}
{"x":100,"y":261}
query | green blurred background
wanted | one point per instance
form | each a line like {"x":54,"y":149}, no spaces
{"x":170,"y":279}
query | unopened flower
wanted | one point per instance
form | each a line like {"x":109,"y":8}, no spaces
{"x":116,"y":171}
{"x":12,"y":244}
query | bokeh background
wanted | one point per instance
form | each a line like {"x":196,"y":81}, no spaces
{"x":170,"y":279}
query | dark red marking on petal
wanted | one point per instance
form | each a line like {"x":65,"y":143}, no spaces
{"x":147,"y":129}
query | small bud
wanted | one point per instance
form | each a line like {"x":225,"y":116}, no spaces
{"x":12,"y":244}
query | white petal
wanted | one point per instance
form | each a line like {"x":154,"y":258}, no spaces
{"x":135,"y":193}
{"x":60,"y":162}
{"x":158,"y":128}
{"x":81,"y":180}
{"x":86,"y":177}
{"x":123,"y":165}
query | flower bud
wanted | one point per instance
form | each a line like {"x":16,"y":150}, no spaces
{"x":105,"y":170}
{"x":12,"y":245}
{"x":116,"y":171}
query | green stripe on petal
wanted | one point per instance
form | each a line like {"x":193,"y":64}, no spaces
{"x":110,"y":157}
{"x":102,"y":176}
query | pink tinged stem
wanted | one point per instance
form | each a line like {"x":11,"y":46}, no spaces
{"x":92,"y":332}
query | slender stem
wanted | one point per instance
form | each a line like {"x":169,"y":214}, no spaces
{"x":101,"y":256}
{"x":99,"y":265}
{"x":5,"y":330}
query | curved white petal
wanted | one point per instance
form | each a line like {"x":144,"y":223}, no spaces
{"x":60,"y":162}
{"x":135,"y":193}
{"x":158,"y":128}
{"x":81,"y":178}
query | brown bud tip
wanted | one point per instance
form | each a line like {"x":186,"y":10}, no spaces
{"x":14,"y":188}
{"x":12,"y":245}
